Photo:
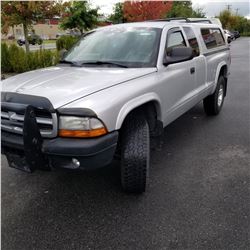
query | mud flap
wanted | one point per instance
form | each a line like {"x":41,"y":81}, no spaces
{"x":33,"y":142}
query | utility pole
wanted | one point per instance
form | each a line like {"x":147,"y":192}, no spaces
{"x":237,"y":9}
{"x":228,"y":7}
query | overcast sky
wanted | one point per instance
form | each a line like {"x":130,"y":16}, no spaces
{"x":210,"y":7}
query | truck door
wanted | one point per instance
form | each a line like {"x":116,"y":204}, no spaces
{"x":177,"y":80}
{"x":200,"y":63}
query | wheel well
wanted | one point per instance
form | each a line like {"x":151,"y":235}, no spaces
{"x":152,"y":112}
{"x":223,"y":72}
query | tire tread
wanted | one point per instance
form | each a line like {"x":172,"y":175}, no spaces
{"x":135,"y":154}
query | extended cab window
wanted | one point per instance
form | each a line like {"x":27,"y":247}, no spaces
{"x":175,"y":39}
{"x":192,"y":40}
{"x":212,"y":37}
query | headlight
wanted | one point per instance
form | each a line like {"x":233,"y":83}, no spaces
{"x":73,"y":126}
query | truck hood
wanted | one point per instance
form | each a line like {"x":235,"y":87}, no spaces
{"x":64,"y":84}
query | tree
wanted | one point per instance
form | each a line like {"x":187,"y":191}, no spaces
{"x":228,"y":20}
{"x":234,"y":22}
{"x":118,"y":15}
{"x":79,"y":15}
{"x":184,"y":9}
{"x":25,"y":13}
{"x":135,"y":11}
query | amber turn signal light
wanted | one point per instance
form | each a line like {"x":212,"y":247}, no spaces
{"x":82,"y":133}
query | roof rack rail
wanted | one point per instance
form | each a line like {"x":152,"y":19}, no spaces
{"x":185,"y":19}
{"x":201,"y":20}
{"x":168,"y":19}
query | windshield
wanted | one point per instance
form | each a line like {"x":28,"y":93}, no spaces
{"x":129,"y":46}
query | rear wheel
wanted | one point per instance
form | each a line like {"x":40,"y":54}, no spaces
{"x":213,"y":103}
{"x":135,"y":153}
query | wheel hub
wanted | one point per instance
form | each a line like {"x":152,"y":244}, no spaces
{"x":220,"y":96}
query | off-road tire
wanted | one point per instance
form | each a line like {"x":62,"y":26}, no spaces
{"x":213,"y":103}
{"x":135,"y":153}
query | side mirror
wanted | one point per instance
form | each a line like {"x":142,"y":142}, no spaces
{"x":229,"y":40}
{"x":178,"y":54}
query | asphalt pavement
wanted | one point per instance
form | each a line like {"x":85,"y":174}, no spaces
{"x":198,"y":195}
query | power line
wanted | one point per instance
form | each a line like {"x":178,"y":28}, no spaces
{"x":228,"y":6}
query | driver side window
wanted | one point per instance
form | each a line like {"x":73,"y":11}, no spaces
{"x":175,"y":39}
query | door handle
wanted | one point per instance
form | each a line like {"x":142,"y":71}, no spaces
{"x":192,"y":70}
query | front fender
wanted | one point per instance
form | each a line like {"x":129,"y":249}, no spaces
{"x":135,"y":103}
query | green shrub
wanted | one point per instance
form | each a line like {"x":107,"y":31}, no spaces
{"x":245,"y":33}
{"x":5,"y":60}
{"x":19,"y":61}
{"x":66,"y":42}
{"x":33,"y":60}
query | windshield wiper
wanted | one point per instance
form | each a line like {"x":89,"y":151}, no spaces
{"x":65,"y":61}
{"x":104,"y":62}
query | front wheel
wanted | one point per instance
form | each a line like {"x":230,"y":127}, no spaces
{"x":213,"y":103}
{"x":135,"y":153}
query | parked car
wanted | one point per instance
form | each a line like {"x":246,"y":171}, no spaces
{"x":118,"y":87}
{"x":236,"y":33}
{"x":32,"y":38}
{"x":229,"y":36}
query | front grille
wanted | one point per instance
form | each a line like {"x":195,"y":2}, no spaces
{"x":12,"y":121}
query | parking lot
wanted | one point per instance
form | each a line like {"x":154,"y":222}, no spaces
{"x":198,"y":196}
{"x":43,"y":46}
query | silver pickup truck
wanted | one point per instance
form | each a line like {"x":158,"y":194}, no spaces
{"x":115,"y":89}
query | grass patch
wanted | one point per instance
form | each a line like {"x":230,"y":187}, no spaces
{"x":8,"y":42}
{"x":49,"y":41}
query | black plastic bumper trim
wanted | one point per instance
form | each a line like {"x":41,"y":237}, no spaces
{"x":11,"y":140}
{"x":15,"y":99}
{"x":80,"y":147}
{"x":65,"y":146}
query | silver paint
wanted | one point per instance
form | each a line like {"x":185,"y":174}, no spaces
{"x":113,"y":92}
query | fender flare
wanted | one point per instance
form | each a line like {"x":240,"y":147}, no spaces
{"x":135,"y":103}
{"x":219,"y":67}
